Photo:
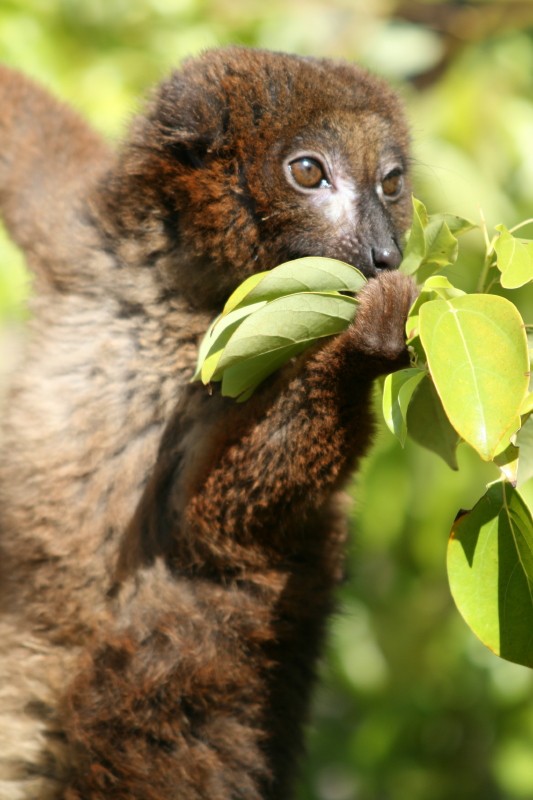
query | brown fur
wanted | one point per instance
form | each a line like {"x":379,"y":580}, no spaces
{"x":169,"y":556}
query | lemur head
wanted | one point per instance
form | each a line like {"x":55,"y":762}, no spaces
{"x":250,"y":158}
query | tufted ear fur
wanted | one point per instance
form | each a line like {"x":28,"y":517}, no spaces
{"x":186,"y":116}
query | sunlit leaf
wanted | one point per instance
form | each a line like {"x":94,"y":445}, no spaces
{"x":458,"y":225}
{"x":524,"y":441}
{"x":527,"y":405}
{"x":397,"y":392}
{"x":514,"y":259}
{"x":240,"y":295}
{"x":415,"y":246}
{"x":440,"y":285}
{"x":432,"y":288}
{"x":216,"y":338}
{"x":271,"y":335}
{"x":240,"y":379}
{"x":242,"y":359}
{"x":300,"y":275}
{"x":507,"y":462}
{"x":490,"y":569}
{"x":477,"y":355}
{"x":441,"y":244}
{"x":432,"y":242}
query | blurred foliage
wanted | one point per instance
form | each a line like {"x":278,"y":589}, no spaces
{"x":410,"y":705}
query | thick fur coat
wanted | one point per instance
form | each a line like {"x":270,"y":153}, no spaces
{"x":168,"y":556}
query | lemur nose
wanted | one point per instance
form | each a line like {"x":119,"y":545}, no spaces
{"x":386,"y":257}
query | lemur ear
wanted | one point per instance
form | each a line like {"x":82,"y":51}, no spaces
{"x":186,"y":116}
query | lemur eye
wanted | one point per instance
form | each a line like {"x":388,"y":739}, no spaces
{"x":308,"y":173}
{"x":392,"y":184}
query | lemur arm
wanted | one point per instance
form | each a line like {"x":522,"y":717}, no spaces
{"x":48,"y":158}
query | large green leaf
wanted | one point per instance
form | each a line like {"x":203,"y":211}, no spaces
{"x":271,"y":335}
{"x":514,"y":258}
{"x":477,"y":356}
{"x":490,"y":569}
{"x":301,"y":275}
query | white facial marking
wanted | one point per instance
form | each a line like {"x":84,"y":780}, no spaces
{"x":339,"y":202}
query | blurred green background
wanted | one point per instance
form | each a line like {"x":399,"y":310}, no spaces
{"x":410,"y":706}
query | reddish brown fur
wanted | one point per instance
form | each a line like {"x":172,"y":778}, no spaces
{"x":169,"y":556}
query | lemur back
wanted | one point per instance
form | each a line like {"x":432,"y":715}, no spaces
{"x":168,"y":556}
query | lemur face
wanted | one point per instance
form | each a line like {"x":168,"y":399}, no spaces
{"x":347,"y":192}
{"x":289,"y":157}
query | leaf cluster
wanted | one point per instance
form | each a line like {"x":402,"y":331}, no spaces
{"x":469,"y":382}
{"x":274,"y":316}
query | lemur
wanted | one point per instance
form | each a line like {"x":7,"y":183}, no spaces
{"x":169,"y":557}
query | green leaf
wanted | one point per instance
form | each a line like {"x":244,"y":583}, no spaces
{"x":216,"y":338}
{"x":432,"y":242}
{"x":434,"y":287}
{"x":458,"y":225}
{"x":265,"y":350}
{"x":271,"y":335}
{"x":524,"y":441}
{"x":477,"y":356}
{"x":242,"y":291}
{"x":514,"y":259}
{"x":490,"y":569}
{"x":242,"y":378}
{"x":507,"y":462}
{"x":527,"y":405}
{"x":397,"y":393}
{"x":300,"y":275}
{"x":429,"y":426}
{"x":441,"y":244}
{"x":440,"y":286}
{"x":415,"y":246}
